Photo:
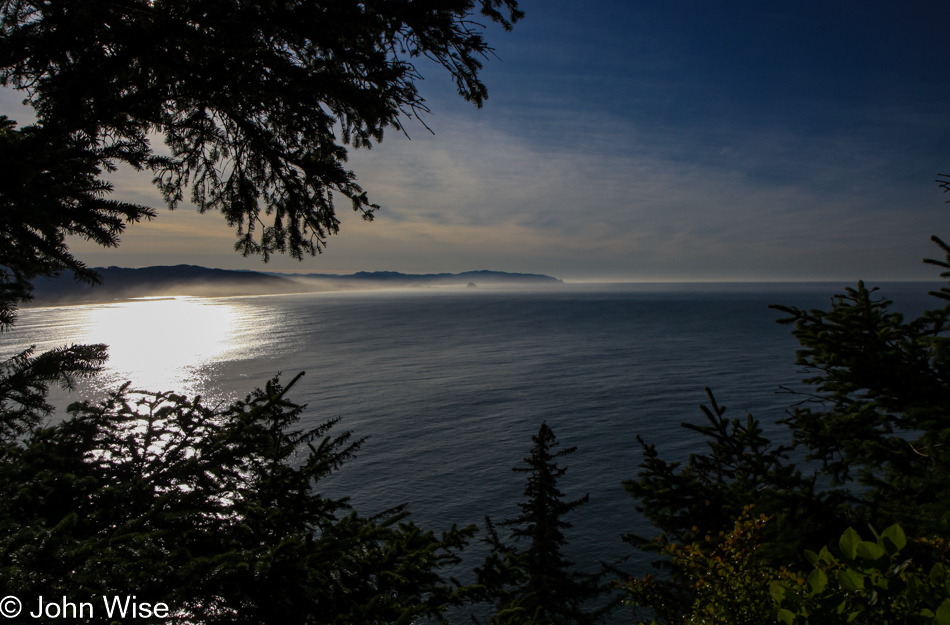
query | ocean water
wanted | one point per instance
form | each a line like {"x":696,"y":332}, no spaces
{"x":449,"y":385}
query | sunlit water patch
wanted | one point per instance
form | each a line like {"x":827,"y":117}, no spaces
{"x":155,"y":343}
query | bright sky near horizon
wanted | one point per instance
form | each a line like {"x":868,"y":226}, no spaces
{"x":648,"y":140}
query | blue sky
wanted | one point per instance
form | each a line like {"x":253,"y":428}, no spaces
{"x":651,"y":141}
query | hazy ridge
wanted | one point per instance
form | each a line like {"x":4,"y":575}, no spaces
{"x":127,"y":283}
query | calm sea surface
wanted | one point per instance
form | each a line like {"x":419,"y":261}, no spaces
{"x":450,"y":384}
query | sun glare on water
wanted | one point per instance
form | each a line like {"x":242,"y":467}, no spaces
{"x":156,"y":343}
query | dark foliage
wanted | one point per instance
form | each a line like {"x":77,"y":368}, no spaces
{"x":256,"y":101}
{"x":878,"y":418}
{"x":741,"y":468}
{"x":50,"y":189}
{"x":25,"y":380}
{"x":536,"y":584}
{"x":874,"y":432}
{"x":214,"y":512}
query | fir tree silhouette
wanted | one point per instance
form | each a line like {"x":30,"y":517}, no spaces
{"x":537,"y":584}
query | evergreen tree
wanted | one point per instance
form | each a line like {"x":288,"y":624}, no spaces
{"x":874,"y":427}
{"x":536,"y":583}
{"x":50,"y":189}
{"x":214,"y":512}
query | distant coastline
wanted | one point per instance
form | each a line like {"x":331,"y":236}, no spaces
{"x":122,"y":283}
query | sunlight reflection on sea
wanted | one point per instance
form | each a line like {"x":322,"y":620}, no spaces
{"x":169,"y":343}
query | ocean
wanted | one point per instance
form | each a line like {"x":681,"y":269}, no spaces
{"x":450,"y":384}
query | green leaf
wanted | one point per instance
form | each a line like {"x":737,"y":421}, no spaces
{"x":817,"y":581}
{"x":937,"y":575}
{"x":893,"y":539}
{"x":811,"y":556}
{"x":785,"y":616}
{"x":870,"y":551}
{"x":851,"y":580}
{"x":777,"y":590}
{"x":942,"y":617}
{"x":849,"y":543}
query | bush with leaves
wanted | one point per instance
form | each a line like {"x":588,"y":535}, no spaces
{"x":884,"y":580}
{"x":724,"y":580}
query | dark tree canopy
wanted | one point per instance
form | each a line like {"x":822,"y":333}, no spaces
{"x":256,"y":101}
{"x":50,"y":189}
{"x":870,"y":445}
{"x":214,"y":512}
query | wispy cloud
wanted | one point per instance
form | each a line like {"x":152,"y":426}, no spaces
{"x":772,"y":206}
{"x":635,"y":204}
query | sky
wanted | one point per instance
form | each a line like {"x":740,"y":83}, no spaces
{"x":647,"y":141}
